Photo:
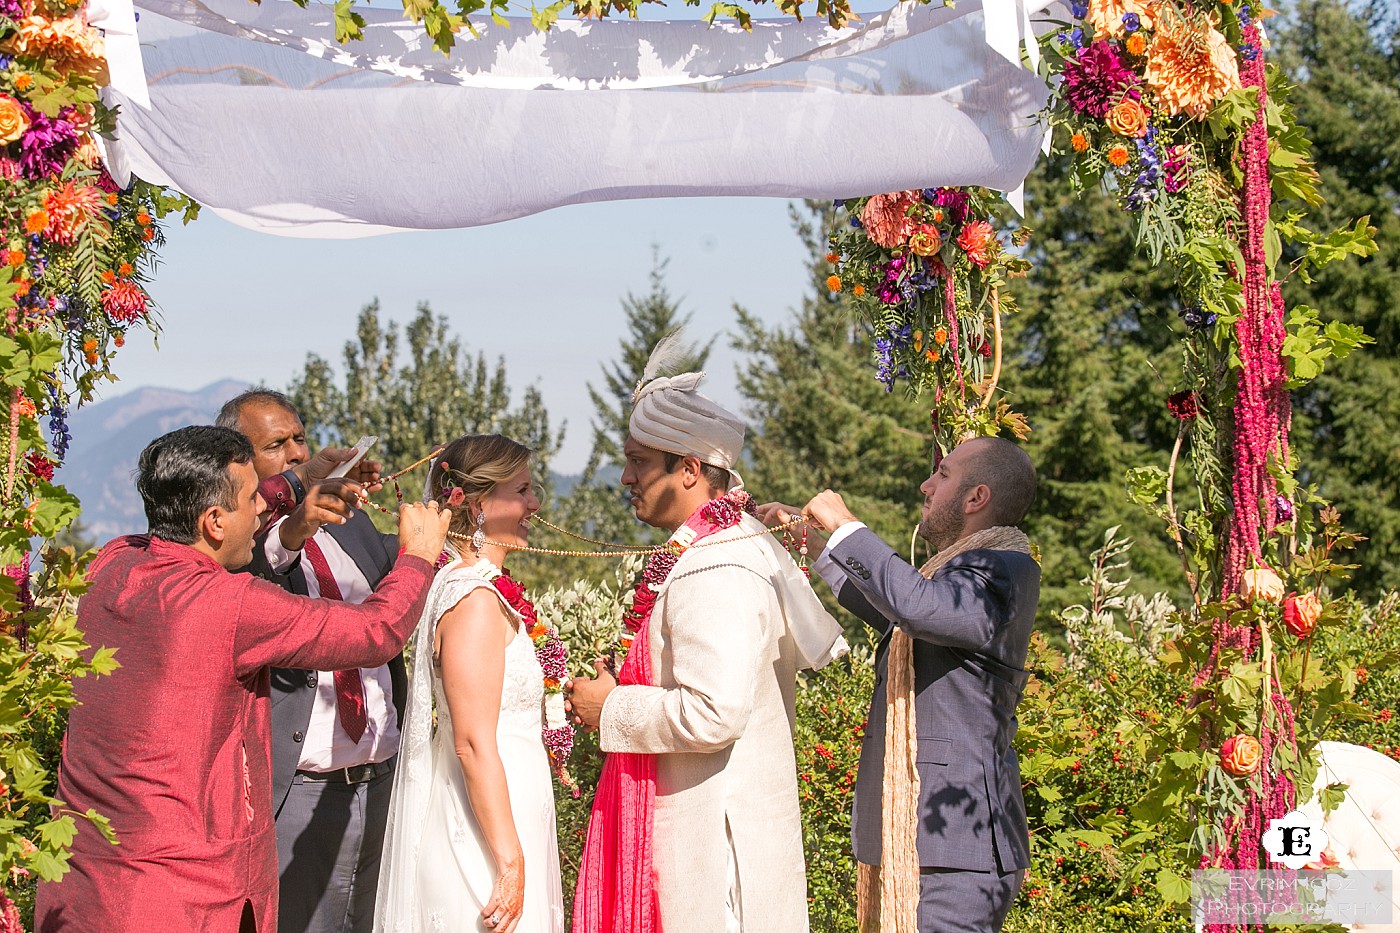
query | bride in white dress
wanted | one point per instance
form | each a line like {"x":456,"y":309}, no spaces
{"x":471,"y":841}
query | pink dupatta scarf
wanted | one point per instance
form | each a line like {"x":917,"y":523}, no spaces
{"x":616,"y":890}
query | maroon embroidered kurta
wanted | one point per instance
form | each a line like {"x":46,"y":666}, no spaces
{"x":173,"y":747}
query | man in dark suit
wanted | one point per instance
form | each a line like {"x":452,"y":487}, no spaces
{"x":969,"y":616}
{"x":334,"y":734}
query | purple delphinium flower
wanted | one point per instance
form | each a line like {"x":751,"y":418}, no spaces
{"x":1079,"y":9}
{"x":1249,"y":52}
{"x":47,"y":145}
{"x":58,"y":424}
{"x":1196,"y":318}
{"x":1131,"y":22}
{"x":884,"y":363}
{"x":1096,"y":79}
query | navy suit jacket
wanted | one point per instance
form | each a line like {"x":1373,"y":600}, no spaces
{"x":971,"y":626}
{"x":294,"y":691}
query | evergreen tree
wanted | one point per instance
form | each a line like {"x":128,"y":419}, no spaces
{"x":437,"y":393}
{"x":1091,"y":359}
{"x":597,"y":506}
{"x":649,"y":318}
{"x":1346,"y":424}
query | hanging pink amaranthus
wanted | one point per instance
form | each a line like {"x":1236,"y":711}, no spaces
{"x":1262,"y":417}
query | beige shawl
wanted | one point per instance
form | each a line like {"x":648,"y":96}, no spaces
{"x":895,"y":882}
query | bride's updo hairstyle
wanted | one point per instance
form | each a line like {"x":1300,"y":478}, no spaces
{"x":475,"y":463}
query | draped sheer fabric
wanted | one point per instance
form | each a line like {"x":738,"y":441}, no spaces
{"x":256,"y":112}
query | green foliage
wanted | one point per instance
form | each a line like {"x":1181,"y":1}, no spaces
{"x":435,"y":394}
{"x":41,"y":652}
{"x":1091,"y":361}
{"x":1346,"y":422}
{"x":832,"y":706}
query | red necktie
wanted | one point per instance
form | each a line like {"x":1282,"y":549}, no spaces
{"x":349,"y":689}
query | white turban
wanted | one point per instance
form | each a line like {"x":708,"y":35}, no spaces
{"x":669,"y":415}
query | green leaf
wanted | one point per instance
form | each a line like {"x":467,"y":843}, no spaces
{"x":1173,"y":888}
{"x":1331,"y":797}
{"x":547,"y":17}
{"x":349,"y":25}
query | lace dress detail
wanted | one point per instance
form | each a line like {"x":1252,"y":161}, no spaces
{"x":437,"y":872}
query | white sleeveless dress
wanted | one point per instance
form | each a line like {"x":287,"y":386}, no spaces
{"x":437,"y":872}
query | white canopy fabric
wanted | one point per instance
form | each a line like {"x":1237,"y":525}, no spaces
{"x":257,"y":113}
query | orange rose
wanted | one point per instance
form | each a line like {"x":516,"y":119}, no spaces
{"x":1118,"y":155}
{"x":13,"y":122}
{"x":26,"y":407}
{"x":1262,"y":584}
{"x":1128,"y":118}
{"x":925,"y":241}
{"x":1241,"y":754}
{"x":1300,"y":613}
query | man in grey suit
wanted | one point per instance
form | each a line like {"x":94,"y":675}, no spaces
{"x":970,"y":623}
{"x":335,"y":734}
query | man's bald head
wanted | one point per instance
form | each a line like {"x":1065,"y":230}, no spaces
{"x":1006,"y":470}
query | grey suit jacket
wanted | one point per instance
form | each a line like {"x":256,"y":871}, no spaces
{"x":294,"y":691}
{"x":971,"y":626}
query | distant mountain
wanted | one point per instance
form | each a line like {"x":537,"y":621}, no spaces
{"x":109,"y":436}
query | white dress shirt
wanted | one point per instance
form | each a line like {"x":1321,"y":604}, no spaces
{"x":327,"y":747}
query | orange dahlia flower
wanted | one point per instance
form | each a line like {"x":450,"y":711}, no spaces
{"x":69,"y":43}
{"x":1190,"y":66}
{"x":70,"y":208}
{"x":978,"y":240}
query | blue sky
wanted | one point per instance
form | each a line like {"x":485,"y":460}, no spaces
{"x":544,"y":292}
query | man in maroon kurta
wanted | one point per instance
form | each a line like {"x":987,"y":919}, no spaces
{"x":174,"y":746}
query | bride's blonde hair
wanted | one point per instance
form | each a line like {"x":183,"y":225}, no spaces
{"x":476,"y":464}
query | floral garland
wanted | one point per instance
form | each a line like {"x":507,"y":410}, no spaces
{"x":925,"y":270}
{"x":553,"y":656}
{"x":715,"y":515}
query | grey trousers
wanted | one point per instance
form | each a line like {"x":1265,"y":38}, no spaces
{"x":329,"y":838}
{"x":955,"y":901}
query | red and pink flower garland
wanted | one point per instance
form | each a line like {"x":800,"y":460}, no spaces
{"x":553,"y":656}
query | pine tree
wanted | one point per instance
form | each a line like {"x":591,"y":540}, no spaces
{"x":597,"y":506}
{"x":1091,"y":360}
{"x":1347,"y":423}
{"x":649,"y":318}
{"x":438,"y":393}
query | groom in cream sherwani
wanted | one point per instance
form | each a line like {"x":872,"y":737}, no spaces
{"x":732,"y":625}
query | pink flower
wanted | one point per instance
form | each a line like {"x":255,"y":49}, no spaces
{"x":979,"y":242}
{"x":124,"y":301}
{"x":886,"y":218}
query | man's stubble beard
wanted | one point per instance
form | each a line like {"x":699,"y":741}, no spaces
{"x":943,"y":525}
